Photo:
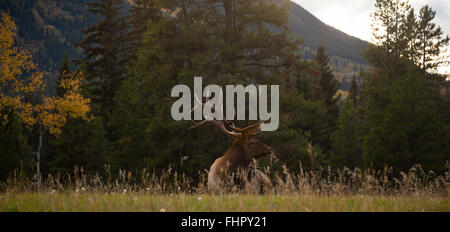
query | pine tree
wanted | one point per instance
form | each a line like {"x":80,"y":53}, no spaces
{"x":403,"y":124}
{"x":388,"y":25}
{"x":402,"y":33}
{"x":234,"y":46}
{"x":104,"y":53}
{"x":325,"y":91}
{"x":410,"y":31}
{"x":347,"y":138}
{"x":13,"y":146}
{"x":81,"y":143}
{"x":247,"y":44}
{"x":141,"y":13}
{"x":353,"y":92}
{"x":430,"y":42}
{"x":328,"y":84}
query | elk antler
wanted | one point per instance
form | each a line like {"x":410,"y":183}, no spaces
{"x":249,"y":130}
{"x":235,"y":132}
{"x":209,"y":118}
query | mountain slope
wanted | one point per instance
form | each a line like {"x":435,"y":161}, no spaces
{"x":48,"y":28}
{"x":314,"y":32}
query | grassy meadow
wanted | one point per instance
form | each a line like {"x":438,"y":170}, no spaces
{"x":325,"y":190}
{"x":137,"y":202}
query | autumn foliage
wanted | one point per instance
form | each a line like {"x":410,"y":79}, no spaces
{"x":20,"y":82}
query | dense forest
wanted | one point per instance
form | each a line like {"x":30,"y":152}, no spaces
{"x":48,"y":28}
{"x":109,"y":101}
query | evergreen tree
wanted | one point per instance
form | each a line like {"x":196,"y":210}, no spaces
{"x":13,"y":146}
{"x":402,"y":121}
{"x":347,"y":139}
{"x":388,"y":25}
{"x":328,"y":84}
{"x":410,"y":30}
{"x":403,"y":34}
{"x":326,"y":90}
{"x":353,"y":92}
{"x":430,"y":41}
{"x":81,"y":143}
{"x":234,"y":46}
{"x":104,"y":55}
{"x":140,"y":13}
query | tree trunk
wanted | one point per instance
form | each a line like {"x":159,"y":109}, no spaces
{"x":38,"y":160}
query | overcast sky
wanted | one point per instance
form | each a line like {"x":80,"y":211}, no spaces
{"x":353,"y":16}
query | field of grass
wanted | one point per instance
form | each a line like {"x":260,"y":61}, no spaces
{"x":325,"y":190}
{"x":137,"y":202}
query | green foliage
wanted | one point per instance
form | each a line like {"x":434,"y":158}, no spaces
{"x":403,"y":113}
{"x":103,"y":48}
{"x":51,"y":27}
{"x":402,"y":33}
{"x":303,"y":124}
{"x":146,"y":134}
{"x":325,"y":90}
{"x":397,"y":115}
{"x":354,"y":92}
{"x":326,"y":84}
{"x":388,"y":24}
{"x":81,"y":144}
{"x":13,"y":146}
{"x":430,"y":41}
{"x":348,"y":138}
{"x":177,"y":48}
{"x":403,"y":123}
{"x":140,"y":13}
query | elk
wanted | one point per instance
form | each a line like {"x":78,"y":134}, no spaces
{"x":241,"y":155}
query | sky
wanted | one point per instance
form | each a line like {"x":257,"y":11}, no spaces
{"x":353,"y":16}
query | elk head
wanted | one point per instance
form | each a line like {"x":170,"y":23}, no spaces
{"x":250,"y":147}
{"x":241,"y":154}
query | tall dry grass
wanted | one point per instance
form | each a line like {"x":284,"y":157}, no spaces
{"x":325,"y":181}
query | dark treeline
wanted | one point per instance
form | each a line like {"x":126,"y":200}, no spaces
{"x":397,"y":113}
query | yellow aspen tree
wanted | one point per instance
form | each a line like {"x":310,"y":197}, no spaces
{"x":20,"y":81}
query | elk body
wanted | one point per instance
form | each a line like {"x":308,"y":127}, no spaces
{"x":240,"y":156}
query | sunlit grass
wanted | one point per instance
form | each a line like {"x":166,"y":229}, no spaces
{"x":135,"y":202}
